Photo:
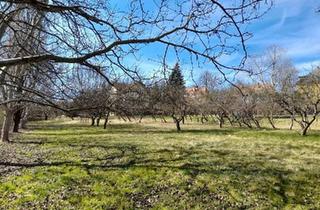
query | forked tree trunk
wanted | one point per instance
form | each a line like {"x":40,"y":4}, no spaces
{"x":16,"y":120}
{"x":177,"y":122}
{"x":7,"y":122}
{"x":306,"y":125}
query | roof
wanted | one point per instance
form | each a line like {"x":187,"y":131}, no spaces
{"x":197,"y":90}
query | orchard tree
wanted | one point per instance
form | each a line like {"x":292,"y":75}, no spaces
{"x":304,"y":103}
{"x":100,"y":36}
{"x":276,"y":77}
{"x":175,"y":96}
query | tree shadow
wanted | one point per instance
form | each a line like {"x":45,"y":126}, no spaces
{"x":192,"y":161}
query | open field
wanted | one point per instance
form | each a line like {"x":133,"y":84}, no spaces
{"x":68,"y":165}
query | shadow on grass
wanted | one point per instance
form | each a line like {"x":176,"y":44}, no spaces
{"x":68,"y":127}
{"x":136,"y":159}
{"x":162,"y":158}
{"x":133,"y":130}
{"x":192,"y":161}
{"x":220,"y":163}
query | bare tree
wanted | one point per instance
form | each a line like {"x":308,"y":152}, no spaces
{"x":102,"y":37}
{"x":271,"y":72}
{"x":303,"y":103}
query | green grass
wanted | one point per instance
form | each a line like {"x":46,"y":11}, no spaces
{"x":69,"y":165}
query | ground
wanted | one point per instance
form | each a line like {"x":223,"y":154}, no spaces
{"x":64,"y":164}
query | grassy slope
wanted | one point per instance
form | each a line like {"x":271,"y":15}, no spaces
{"x":133,"y":166}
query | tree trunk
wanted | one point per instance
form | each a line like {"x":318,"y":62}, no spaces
{"x":177,"y":124}
{"x":154,"y":118}
{"x":230,"y":121}
{"x":221,"y":121}
{"x":291,"y":124}
{"x":256,"y":122}
{"x":304,"y":131}
{"x":270,"y":119}
{"x":16,"y":120}
{"x":305,"y":127}
{"x":106,"y":121}
{"x":140,"y":118}
{"x":92,"y":121}
{"x":98,"y":121}
{"x":247,"y":123}
{"x":177,"y":121}
{"x":8,"y":116}
{"x":124,"y":119}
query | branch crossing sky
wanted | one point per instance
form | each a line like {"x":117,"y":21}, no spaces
{"x":293,"y":25}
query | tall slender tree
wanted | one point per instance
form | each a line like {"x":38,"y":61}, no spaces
{"x":175,"y":95}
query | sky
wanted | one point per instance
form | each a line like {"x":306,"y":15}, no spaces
{"x":293,"y":25}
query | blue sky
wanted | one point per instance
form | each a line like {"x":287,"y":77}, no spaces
{"x":293,"y":25}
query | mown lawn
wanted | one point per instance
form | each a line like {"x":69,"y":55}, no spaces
{"x":69,"y":165}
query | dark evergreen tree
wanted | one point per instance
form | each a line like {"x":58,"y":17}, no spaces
{"x":175,"y":96}
{"x":176,"y":78}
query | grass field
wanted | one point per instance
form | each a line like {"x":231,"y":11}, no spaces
{"x":68,"y":165}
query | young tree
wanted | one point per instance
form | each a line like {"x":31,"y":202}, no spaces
{"x":175,"y":96}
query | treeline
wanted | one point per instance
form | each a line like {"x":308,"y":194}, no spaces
{"x":276,"y":92}
{"x":272,"y":89}
{"x":46,"y":46}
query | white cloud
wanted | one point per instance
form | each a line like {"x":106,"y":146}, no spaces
{"x":307,"y":66}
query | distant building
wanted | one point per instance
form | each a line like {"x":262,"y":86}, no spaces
{"x":310,"y":79}
{"x":196,"y":91}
